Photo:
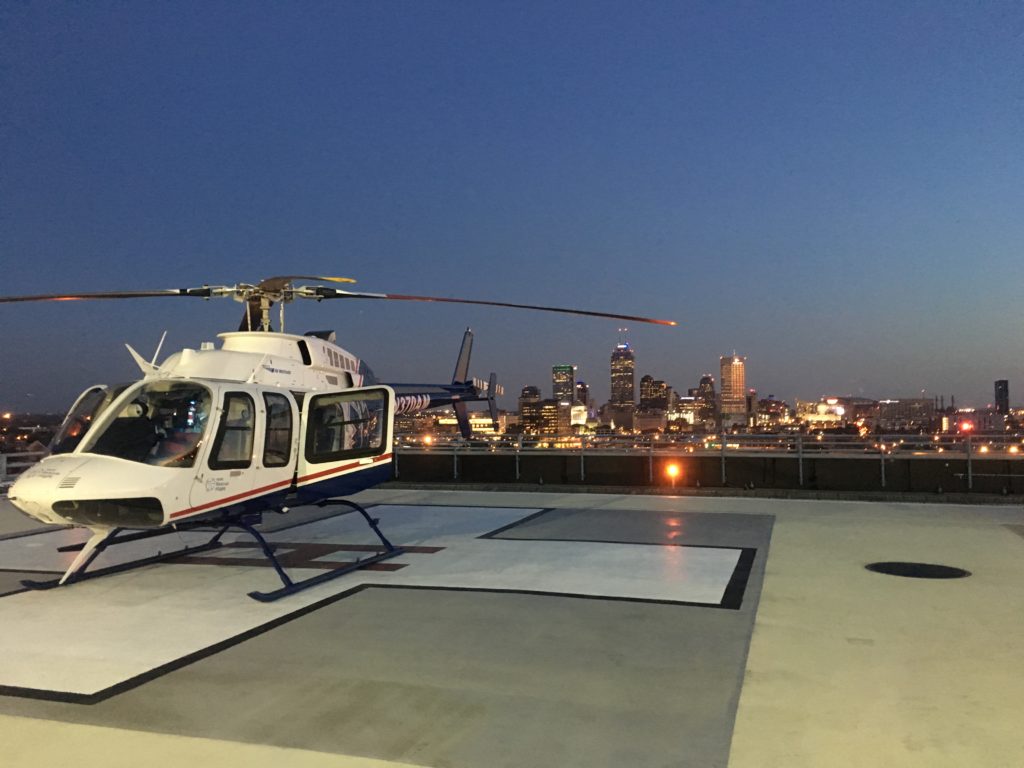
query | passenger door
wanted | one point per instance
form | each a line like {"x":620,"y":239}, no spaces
{"x":228,"y":474}
{"x":277,"y":447}
{"x":345,"y":441}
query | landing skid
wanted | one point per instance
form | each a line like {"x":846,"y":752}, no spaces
{"x":80,"y":572}
{"x":291,"y":587}
{"x":92,"y":549}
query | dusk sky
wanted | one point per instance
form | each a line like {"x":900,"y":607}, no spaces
{"x":835,"y":190}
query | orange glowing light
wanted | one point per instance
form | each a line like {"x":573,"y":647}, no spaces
{"x":672,"y":470}
{"x":427,"y":440}
{"x":966,"y":426}
{"x":1014,"y":449}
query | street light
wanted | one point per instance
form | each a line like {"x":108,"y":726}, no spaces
{"x":672,"y":470}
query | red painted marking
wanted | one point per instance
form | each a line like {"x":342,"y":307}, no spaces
{"x":376,"y":460}
{"x":264,"y":489}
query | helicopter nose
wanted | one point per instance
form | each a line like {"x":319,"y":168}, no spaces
{"x":33,"y":491}
{"x":99,"y":491}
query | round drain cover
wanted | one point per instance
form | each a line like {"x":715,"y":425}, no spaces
{"x":919,"y":570}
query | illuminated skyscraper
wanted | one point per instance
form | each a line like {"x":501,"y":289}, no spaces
{"x":563,"y":383}
{"x":583,"y":393}
{"x":706,"y":394}
{"x":623,"y":364}
{"x":529,"y":394}
{"x":734,"y":385}
{"x":1003,"y":396}
{"x":646,"y":390}
{"x":654,"y":393}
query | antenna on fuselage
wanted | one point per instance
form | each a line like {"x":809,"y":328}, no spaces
{"x":159,"y":346}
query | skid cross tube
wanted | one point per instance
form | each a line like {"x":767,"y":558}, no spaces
{"x":245,"y":523}
{"x":291,"y":587}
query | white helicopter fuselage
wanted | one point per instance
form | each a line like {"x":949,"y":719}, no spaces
{"x":265,"y":421}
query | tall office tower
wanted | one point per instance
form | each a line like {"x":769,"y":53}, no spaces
{"x":662,"y":395}
{"x":654,"y":393}
{"x":623,"y":364}
{"x":529,"y":395}
{"x":530,"y":410}
{"x":734,"y":385}
{"x":563,"y":383}
{"x":647,"y":393}
{"x":1003,"y":396}
{"x":582,"y":393}
{"x":706,"y":394}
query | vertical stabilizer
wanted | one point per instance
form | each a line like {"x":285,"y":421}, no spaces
{"x":462,"y":416}
{"x":461,"y":374}
{"x":492,"y":404}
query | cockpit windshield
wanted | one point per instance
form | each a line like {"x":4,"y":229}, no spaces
{"x":82,"y":416}
{"x":162,"y":423}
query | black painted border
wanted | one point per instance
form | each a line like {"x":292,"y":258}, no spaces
{"x":495,"y":535}
{"x":732,"y":600}
{"x":35,"y":532}
{"x":518,"y":522}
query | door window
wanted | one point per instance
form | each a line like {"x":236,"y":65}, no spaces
{"x":233,"y":446}
{"x":277,"y":443}
{"x":347,"y":425}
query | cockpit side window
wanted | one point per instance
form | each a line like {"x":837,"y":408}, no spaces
{"x":79,"y":419}
{"x":232,"y":448}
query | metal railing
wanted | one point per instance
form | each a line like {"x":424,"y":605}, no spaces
{"x":935,"y":446}
{"x":877,"y":447}
{"x":881,"y":448}
{"x":13,"y":464}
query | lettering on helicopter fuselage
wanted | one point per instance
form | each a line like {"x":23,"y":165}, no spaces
{"x":216,"y":484}
{"x":282,"y":371}
{"x":40,"y":471}
{"x":411,"y":403}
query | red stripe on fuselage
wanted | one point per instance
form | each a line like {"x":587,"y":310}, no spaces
{"x":274,"y":486}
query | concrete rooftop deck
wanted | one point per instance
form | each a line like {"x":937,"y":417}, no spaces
{"x":586,"y":629}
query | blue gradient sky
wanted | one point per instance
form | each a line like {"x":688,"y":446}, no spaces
{"x":834,"y":190}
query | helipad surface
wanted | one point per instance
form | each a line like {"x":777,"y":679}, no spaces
{"x":529,"y":629}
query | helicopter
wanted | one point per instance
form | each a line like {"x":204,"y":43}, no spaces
{"x":211,"y":439}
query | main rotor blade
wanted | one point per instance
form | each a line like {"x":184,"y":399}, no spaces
{"x":204,"y":292}
{"x":336,"y":293}
{"x":281,"y":282}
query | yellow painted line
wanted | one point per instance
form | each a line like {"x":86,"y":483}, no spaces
{"x":31,"y":743}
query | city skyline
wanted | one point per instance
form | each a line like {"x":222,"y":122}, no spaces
{"x":1003,"y":391}
{"x":732,"y":381}
{"x":832,"y":189}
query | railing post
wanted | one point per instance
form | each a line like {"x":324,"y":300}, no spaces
{"x":519,"y":447}
{"x":3,"y":465}
{"x":455,"y":461}
{"x":583,"y":466}
{"x":723,"y":455}
{"x":394,"y":462}
{"x":881,"y":450}
{"x":970,"y":473}
{"x":800,"y":458}
{"x":650,"y":461}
